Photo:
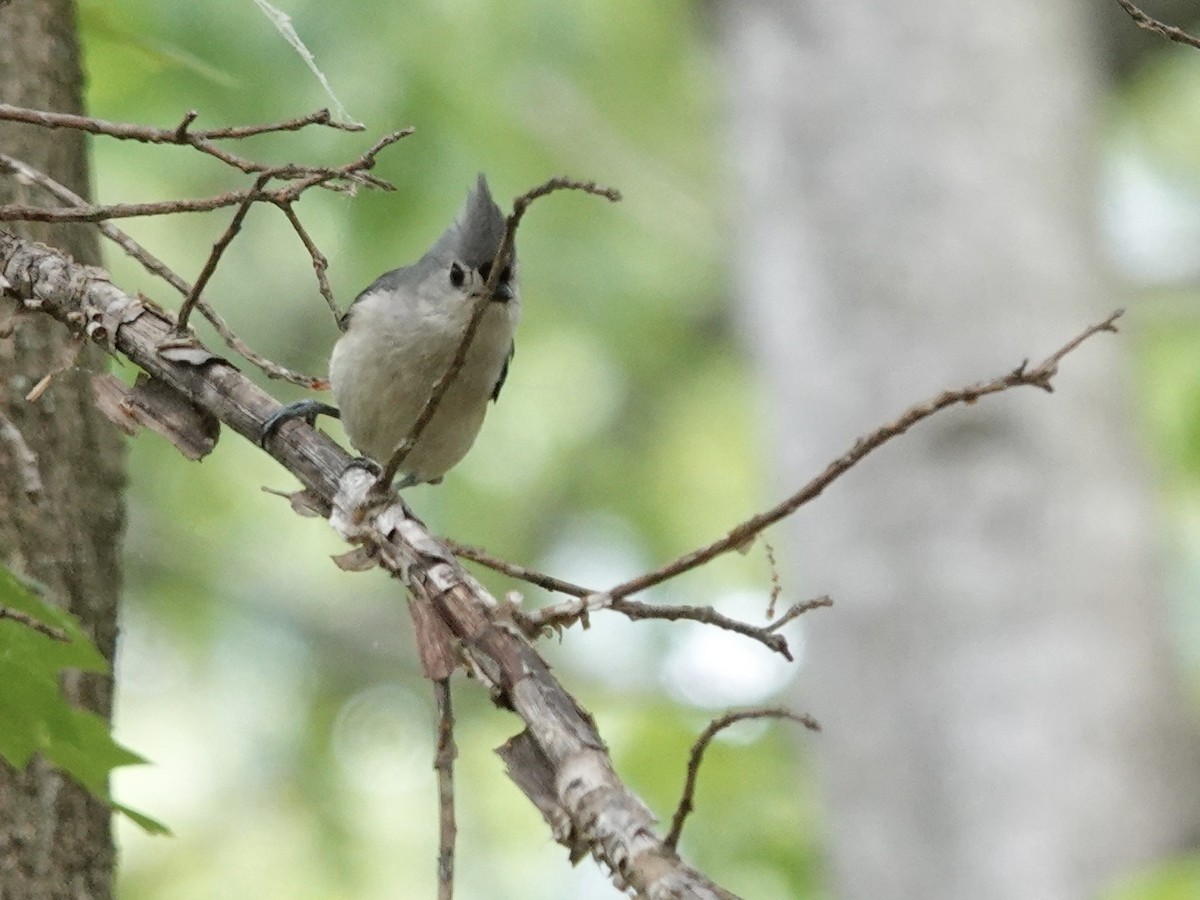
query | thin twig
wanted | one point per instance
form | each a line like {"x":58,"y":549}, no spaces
{"x":776,"y":582}
{"x":287,"y":193}
{"x":705,"y":615}
{"x":686,"y":801}
{"x":181,"y":135}
{"x":520,"y":205}
{"x":157,"y":267}
{"x":358,"y":169}
{"x":548,"y":582}
{"x":798,"y":609}
{"x":538,"y":622}
{"x":297,"y":180}
{"x":443,"y":762}
{"x":1151,"y":24}
{"x":319,"y":262}
{"x":218,"y":250}
{"x":1039,"y":376}
{"x":97,"y":213}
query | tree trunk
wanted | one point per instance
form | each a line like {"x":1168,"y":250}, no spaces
{"x":1001,"y":719}
{"x":55,"y":839}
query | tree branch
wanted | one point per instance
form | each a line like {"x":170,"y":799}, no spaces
{"x":557,"y":616}
{"x":1039,"y":376}
{"x":156,"y":266}
{"x":443,"y":762}
{"x":1150,"y":24}
{"x":559,"y":760}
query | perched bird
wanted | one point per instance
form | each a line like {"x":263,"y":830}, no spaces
{"x":401,"y":335}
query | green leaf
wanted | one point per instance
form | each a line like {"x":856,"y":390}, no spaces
{"x":65,"y":646}
{"x":160,"y":55}
{"x":38,"y":641}
{"x":143,"y":821}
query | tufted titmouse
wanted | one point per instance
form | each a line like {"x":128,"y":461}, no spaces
{"x":400,"y":336}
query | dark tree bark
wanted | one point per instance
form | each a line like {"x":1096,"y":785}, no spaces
{"x":55,"y":839}
{"x":1001,"y":717}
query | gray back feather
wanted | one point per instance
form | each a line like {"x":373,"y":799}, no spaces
{"x":475,"y":236}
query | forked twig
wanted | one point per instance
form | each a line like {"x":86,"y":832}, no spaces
{"x":540,"y":622}
{"x":157,"y":267}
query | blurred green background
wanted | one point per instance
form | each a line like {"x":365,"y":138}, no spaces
{"x":278,"y":698}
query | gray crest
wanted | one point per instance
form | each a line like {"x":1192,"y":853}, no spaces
{"x":475,"y":236}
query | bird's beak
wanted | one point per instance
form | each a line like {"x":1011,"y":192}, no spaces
{"x":503,"y":292}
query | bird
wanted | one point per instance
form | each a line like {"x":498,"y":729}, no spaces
{"x":400,"y":336}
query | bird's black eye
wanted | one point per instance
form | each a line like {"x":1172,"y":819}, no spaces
{"x":506,"y":274}
{"x":456,"y":274}
{"x":485,"y":270}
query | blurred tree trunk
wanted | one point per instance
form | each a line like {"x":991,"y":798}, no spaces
{"x":1001,"y":716}
{"x":55,"y":840}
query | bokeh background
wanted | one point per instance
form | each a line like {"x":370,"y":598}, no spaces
{"x":278,"y":698}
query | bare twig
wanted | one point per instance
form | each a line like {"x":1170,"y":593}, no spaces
{"x":319,"y":262}
{"x":157,"y":267}
{"x":15,"y":615}
{"x":705,"y":615}
{"x":520,"y":205}
{"x":686,"y":801}
{"x":443,"y":762}
{"x":98,"y":213}
{"x":798,"y":609}
{"x":548,"y":582}
{"x":297,"y":179}
{"x":586,"y":601}
{"x":1039,"y":376}
{"x":26,"y":459}
{"x":180,"y":135}
{"x":558,"y":183}
{"x":1151,"y":24}
{"x":776,"y":583}
{"x":218,"y":250}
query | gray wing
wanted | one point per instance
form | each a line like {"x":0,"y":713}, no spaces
{"x":503,"y":372}
{"x":390,"y":283}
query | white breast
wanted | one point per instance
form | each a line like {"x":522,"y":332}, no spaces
{"x":384,"y":368}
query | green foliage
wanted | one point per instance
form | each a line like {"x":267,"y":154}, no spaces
{"x":1176,"y":880}
{"x":1171,"y":388}
{"x":37,"y":642}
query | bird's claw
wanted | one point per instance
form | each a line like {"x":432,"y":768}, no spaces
{"x":308,"y":410}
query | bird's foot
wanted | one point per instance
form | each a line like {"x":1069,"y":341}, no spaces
{"x":308,"y":410}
